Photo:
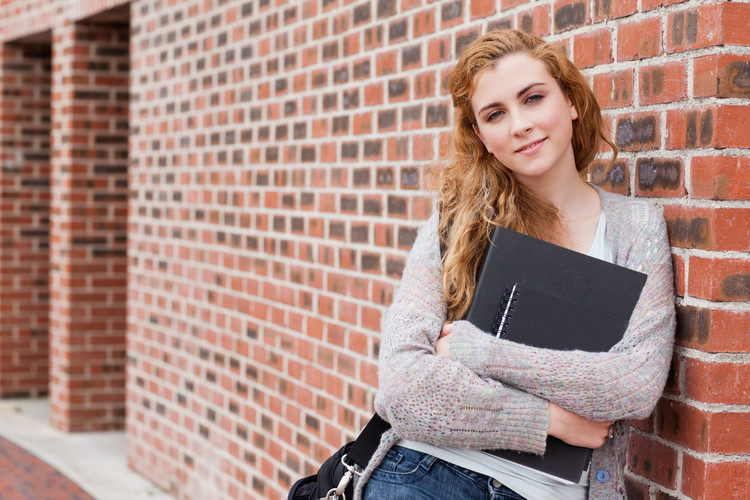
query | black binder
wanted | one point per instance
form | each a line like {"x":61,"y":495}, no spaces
{"x":540,"y":294}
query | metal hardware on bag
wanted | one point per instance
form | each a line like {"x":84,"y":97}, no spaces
{"x":337,"y":493}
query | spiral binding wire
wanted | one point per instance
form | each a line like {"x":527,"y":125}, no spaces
{"x":505,"y":311}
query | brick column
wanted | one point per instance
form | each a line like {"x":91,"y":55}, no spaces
{"x":24,"y":219}
{"x":88,"y":226}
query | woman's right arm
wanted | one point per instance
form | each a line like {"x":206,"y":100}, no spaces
{"x":432,"y":399}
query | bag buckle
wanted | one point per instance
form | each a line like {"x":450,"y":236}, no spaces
{"x":337,"y":493}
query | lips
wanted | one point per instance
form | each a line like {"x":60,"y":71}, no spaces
{"x":530,"y":147}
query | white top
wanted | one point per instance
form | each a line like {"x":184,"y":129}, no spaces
{"x":527,"y":482}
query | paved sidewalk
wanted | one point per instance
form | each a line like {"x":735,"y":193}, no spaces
{"x":95,"y":461}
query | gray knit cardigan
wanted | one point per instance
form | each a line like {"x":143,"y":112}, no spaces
{"x":494,"y":393}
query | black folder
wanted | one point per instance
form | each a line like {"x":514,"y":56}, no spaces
{"x":540,"y":294}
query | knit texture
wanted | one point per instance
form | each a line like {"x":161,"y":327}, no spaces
{"x":494,"y":393}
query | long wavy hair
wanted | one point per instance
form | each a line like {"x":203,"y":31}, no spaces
{"x":477,"y":192}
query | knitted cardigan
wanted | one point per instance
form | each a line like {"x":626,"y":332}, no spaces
{"x":494,"y":393}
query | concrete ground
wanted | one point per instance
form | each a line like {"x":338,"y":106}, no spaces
{"x":95,"y":461}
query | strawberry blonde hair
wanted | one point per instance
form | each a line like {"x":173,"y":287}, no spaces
{"x":477,"y":192}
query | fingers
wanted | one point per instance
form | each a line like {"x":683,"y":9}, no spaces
{"x":446,"y":330}
{"x":577,"y":430}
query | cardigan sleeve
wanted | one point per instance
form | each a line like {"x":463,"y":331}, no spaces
{"x":432,"y":399}
{"x":625,"y":382}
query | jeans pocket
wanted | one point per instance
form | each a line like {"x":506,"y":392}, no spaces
{"x":403,"y":465}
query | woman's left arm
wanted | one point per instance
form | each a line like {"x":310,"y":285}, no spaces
{"x":625,"y":382}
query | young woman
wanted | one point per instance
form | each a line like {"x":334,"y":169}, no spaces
{"x":527,"y":128}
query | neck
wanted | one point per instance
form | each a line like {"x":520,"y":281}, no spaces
{"x":569,"y":194}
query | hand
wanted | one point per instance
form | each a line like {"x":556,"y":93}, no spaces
{"x":575,"y":429}
{"x":443,"y":345}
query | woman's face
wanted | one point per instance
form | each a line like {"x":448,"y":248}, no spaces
{"x":524,"y":119}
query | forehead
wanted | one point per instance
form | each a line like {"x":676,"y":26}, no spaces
{"x":509,"y":75}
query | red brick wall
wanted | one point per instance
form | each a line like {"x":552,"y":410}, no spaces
{"x":88,"y":253}
{"x":24,"y":220}
{"x":277,"y":174}
{"x":64,"y":195}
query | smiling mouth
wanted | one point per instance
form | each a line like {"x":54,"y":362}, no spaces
{"x":530,"y":146}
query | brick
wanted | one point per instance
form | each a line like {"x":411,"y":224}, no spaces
{"x":721,"y":279}
{"x":509,"y":4}
{"x":398,"y":30}
{"x":614,"y":89}
{"x":464,"y":38}
{"x":411,"y":117}
{"x":635,"y":490}
{"x":722,"y":229}
{"x":660,"y":177}
{"x":608,"y":9}
{"x":423,"y":23}
{"x":569,"y":14}
{"x":674,"y":378}
{"x":639,"y":39}
{"x":692,"y":128}
{"x":647,"y":5}
{"x":682,"y":424}
{"x":374,"y":94}
{"x":438,"y":50}
{"x":482,"y":8}
{"x":694,"y":28}
{"x":593,"y":48}
{"x":730,"y":127}
{"x":423,"y":148}
{"x":652,"y":460}
{"x":722,"y":75}
{"x":736,"y":23}
{"x":374,"y":37}
{"x":386,"y":63}
{"x":398,"y":90}
{"x":721,"y":383}
{"x":662,"y":83}
{"x":386,"y":8}
{"x":615,"y":179}
{"x":503,"y":23}
{"x":536,"y":21}
{"x":638,"y":132}
{"x":451,"y":13}
{"x":720,"y":177}
{"x":702,"y":479}
{"x":679,"y":264}
{"x":425,"y":85}
{"x":398,"y":148}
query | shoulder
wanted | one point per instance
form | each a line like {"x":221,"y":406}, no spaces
{"x":636,"y":230}
{"x":631,"y":214}
{"x":427,"y":243}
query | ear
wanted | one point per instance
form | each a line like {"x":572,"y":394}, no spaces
{"x":481,"y":138}
{"x":573,"y":110}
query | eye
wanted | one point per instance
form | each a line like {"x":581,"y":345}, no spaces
{"x":534,"y":98}
{"x":493,"y":115}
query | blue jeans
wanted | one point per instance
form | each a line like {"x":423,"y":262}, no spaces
{"x":413,"y":475}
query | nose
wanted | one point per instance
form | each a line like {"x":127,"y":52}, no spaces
{"x":520,"y":123}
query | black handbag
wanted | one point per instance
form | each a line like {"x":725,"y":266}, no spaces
{"x":334,"y":478}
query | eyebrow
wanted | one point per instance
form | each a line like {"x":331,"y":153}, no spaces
{"x":519,"y":94}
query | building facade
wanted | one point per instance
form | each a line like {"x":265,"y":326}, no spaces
{"x":207,"y":205}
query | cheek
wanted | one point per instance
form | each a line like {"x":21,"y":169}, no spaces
{"x":495,"y":137}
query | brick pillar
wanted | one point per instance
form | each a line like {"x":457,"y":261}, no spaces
{"x":24,"y":219}
{"x":89,"y":226}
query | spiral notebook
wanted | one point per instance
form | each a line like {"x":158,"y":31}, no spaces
{"x":540,"y":294}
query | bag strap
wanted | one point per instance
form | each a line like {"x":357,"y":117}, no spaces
{"x":367,"y":441}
